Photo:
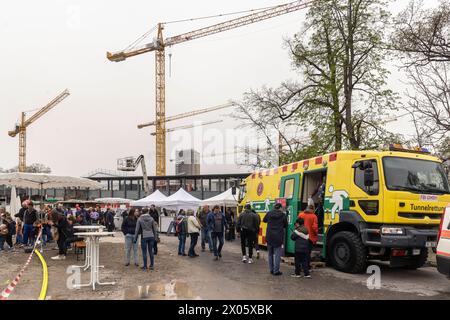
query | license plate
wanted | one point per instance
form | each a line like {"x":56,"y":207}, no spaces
{"x":416,"y":252}
{"x":431,"y":244}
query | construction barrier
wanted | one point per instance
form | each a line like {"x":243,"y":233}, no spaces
{"x":13,"y":284}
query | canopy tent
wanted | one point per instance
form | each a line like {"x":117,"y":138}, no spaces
{"x":46,"y":181}
{"x":155,"y":198}
{"x":226,"y":199}
{"x":181,"y":200}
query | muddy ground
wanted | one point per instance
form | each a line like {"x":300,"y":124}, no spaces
{"x":202,"y":278}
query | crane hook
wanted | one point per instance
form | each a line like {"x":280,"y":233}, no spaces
{"x":170,"y":65}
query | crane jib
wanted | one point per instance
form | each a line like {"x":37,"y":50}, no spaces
{"x":206,"y":31}
{"x":159,"y":47}
{"x":238,"y":22}
{"x":21,"y":129}
{"x":48,"y":107}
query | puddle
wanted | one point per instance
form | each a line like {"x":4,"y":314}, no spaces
{"x":174,"y":290}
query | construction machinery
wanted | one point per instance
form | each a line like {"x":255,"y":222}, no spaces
{"x":159,"y":45}
{"x":21,"y":128}
{"x":130,"y":164}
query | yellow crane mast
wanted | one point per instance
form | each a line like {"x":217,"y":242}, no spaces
{"x":159,"y":46}
{"x":21,"y":128}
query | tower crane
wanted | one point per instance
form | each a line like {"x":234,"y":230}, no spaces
{"x":21,"y":128}
{"x":188,"y":114}
{"x":161,"y":43}
{"x":189,"y":126}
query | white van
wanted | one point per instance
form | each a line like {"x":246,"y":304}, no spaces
{"x":443,"y":249}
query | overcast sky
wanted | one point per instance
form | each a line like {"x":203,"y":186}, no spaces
{"x":50,"y":45}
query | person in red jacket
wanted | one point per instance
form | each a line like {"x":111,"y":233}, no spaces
{"x":312,"y":224}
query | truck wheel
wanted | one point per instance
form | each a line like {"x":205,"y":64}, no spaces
{"x":419,"y":261}
{"x":347,"y":252}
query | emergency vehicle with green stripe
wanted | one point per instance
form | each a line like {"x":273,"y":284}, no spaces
{"x":378,"y":205}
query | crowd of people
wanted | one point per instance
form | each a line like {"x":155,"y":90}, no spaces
{"x":53,"y":223}
{"x":208,"y":227}
{"x":211,"y":225}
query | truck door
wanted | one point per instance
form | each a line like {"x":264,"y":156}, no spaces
{"x":290,"y":190}
{"x":365,"y":190}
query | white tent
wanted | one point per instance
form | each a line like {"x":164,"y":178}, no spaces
{"x":155,"y":198}
{"x":226,"y":199}
{"x":181,"y":200}
{"x":46,"y":181}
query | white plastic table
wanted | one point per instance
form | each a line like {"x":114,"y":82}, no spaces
{"x":94,"y":238}
{"x":88,"y":228}
{"x":87,"y":260}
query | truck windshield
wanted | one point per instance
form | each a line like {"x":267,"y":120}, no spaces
{"x":420,"y":176}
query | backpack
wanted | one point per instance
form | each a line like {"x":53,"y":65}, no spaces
{"x":182,"y":226}
{"x":12,"y":228}
{"x":178,"y":226}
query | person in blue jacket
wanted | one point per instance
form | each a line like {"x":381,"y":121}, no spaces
{"x":216,"y":223}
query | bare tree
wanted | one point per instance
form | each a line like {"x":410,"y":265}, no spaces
{"x":422,"y":39}
{"x":33,"y":168}
{"x":422,"y":36}
{"x":283,"y":137}
{"x":429,"y":99}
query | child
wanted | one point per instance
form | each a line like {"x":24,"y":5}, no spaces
{"x":301,"y":238}
{"x":10,"y":223}
{"x":19,"y":234}
{"x":35,"y":232}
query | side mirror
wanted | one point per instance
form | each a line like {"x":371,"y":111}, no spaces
{"x":362,"y":165}
{"x":369,"y":179}
{"x":356,"y":165}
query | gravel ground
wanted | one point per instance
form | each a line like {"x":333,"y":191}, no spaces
{"x":202,"y":278}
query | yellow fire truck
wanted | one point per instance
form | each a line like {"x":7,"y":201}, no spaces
{"x":375,"y":205}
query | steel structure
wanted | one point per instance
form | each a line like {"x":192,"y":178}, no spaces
{"x":189,"y":126}
{"x":188,"y":114}
{"x":21,"y":129}
{"x":159,"y":46}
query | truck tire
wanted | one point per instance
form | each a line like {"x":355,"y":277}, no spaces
{"x":347,"y":252}
{"x":419,"y":261}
